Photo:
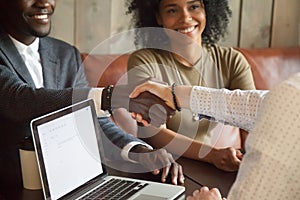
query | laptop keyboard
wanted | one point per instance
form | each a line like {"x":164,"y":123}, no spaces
{"x":116,"y":189}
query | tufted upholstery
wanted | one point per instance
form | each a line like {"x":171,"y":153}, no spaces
{"x":269,"y":67}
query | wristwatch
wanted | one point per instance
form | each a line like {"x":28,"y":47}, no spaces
{"x":106,"y":98}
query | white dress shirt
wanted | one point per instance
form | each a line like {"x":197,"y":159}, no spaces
{"x":32,"y":60}
{"x":270,"y":168}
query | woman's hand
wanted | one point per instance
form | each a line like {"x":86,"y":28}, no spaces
{"x":151,"y":109}
{"x":228,"y":159}
{"x":159,"y":89}
{"x":206,"y":194}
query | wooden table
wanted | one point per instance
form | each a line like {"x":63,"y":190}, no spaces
{"x":205,"y":174}
{"x":196,"y":174}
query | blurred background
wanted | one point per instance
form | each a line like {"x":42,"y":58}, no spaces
{"x":254,"y":23}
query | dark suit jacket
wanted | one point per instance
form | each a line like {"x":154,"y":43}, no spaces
{"x":20,"y":101}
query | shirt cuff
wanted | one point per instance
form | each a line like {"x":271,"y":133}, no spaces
{"x":96,"y":94}
{"x":126,"y":149}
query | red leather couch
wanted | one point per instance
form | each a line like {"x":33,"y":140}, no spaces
{"x":272,"y":65}
{"x":269,"y":66}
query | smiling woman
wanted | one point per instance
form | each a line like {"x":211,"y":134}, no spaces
{"x":178,"y":45}
{"x":216,"y":14}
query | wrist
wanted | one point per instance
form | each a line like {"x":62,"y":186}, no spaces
{"x":168,"y":97}
{"x":175,"y":100}
{"x":208,"y":154}
{"x":106,"y":98}
{"x":134,"y":153}
{"x":183,"y":94}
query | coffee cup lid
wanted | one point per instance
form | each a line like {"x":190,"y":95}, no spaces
{"x":26,"y":144}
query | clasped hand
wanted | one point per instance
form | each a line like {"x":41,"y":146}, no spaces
{"x":150,"y":107}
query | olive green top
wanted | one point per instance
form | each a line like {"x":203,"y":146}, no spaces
{"x":218,"y":67}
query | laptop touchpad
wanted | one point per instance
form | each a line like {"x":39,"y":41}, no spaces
{"x":149,"y":197}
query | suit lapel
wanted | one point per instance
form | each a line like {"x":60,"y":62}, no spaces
{"x":14,"y":59}
{"x":50,"y":61}
{"x":50,"y":64}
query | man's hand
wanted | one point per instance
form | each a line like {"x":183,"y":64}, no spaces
{"x":158,"y":159}
{"x":158,"y":88}
{"x":150,"y":107}
{"x":206,"y":194}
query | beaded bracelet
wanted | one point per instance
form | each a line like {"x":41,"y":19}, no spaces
{"x":174,"y":97}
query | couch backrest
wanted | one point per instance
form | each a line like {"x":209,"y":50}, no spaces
{"x":272,"y":65}
{"x":103,"y":70}
{"x":269,"y":66}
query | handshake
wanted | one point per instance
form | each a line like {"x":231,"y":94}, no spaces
{"x":146,"y":107}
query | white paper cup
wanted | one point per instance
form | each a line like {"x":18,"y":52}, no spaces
{"x":29,"y":167}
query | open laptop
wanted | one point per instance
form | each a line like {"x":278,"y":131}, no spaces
{"x":68,"y":148}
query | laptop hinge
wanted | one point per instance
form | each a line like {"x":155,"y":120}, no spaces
{"x":88,"y":187}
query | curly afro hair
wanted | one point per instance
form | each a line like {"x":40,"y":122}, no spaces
{"x":143,"y":15}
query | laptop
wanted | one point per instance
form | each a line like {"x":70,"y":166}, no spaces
{"x":70,"y":158}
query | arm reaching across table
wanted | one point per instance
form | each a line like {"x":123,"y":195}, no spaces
{"x":238,"y":108}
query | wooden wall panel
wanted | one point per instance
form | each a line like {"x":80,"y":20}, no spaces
{"x":286,"y":23}
{"x":256,"y":23}
{"x":120,"y":21}
{"x":123,"y":41}
{"x":231,"y":39}
{"x":93,"y":23}
{"x":63,"y":21}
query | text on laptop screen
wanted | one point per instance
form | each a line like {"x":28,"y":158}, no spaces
{"x":69,"y":145}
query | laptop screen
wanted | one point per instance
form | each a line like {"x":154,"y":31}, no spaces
{"x":68,"y":150}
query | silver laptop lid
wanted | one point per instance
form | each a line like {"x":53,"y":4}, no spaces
{"x":68,"y":150}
